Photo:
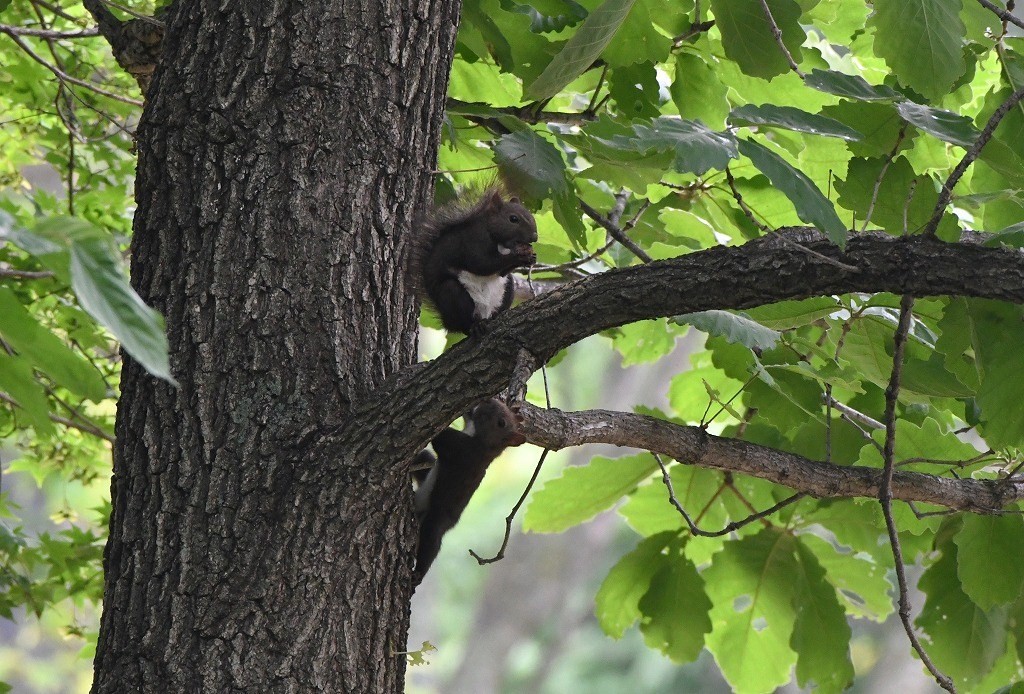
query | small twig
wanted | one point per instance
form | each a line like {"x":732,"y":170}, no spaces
{"x":981,"y":457}
{"x":986,"y":134}
{"x":63,"y":76}
{"x":696,"y":28}
{"x":86,"y":428}
{"x":881,"y":175}
{"x":704,"y":424}
{"x":734,"y":525}
{"x":597,"y":89}
{"x":7,"y":273}
{"x":511,"y":516}
{"x":129,"y":11}
{"x":616,"y":232}
{"x":765,"y":229}
{"x":48,"y":33}
{"x":744,"y":208}
{"x":885,"y":488}
{"x":855,"y":414}
{"x":1002,"y":14}
{"x":777,"y":33}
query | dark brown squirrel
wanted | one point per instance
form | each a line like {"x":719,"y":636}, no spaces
{"x":459,"y":467}
{"x":463,"y":257}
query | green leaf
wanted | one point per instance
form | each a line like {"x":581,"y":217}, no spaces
{"x":103,"y":290}
{"x":945,"y":125}
{"x":984,"y":545}
{"x":618,"y":598}
{"x":584,"y":491}
{"x":747,"y":36}
{"x":46,"y":351}
{"x":904,"y":200}
{"x":697,"y":148}
{"x":792,"y":119}
{"x":736,"y":328}
{"x":675,"y":609}
{"x":861,"y":581}
{"x":750,"y":583}
{"x":811,"y":206}
{"x":965,"y":640}
{"x":17,"y":380}
{"x":821,"y":636}
{"x":648,"y":511}
{"x":792,"y":314}
{"x":849,"y":86}
{"x":921,"y":42}
{"x":998,"y":332}
{"x":580,"y":51}
{"x":698,"y":92}
{"x":644,"y":341}
{"x":638,"y":39}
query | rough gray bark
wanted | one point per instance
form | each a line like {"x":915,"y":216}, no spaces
{"x":282,"y":153}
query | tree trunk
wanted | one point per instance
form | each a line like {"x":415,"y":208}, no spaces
{"x":282,"y":154}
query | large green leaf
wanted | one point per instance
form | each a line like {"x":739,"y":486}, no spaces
{"x":811,"y":206}
{"x":792,"y":119}
{"x":583,"y":492}
{"x":618,"y":598}
{"x":734,"y":327}
{"x":649,"y":512}
{"x":945,"y":125}
{"x":747,"y":35}
{"x":921,"y":42}
{"x":696,"y":147}
{"x":103,"y":290}
{"x":580,"y":51}
{"x":821,"y":636}
{"x":77,"y":250}
{"x":750,"y":583}
{"x":860,"y":580}
{"x":16,"y":380}
{"x":849,"y":86}
{"x":964,"y":640}
{"x":675,"y":609}
{"x":985,"y":545}
{"x":998,"y":332}
{"x":45,"y":351}
{"x":791,"y":314}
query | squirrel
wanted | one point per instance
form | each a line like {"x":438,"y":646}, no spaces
{"x":463,"y":257}
{"x":459,"y":467}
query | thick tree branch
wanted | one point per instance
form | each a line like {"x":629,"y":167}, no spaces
{"x":413,"y":407}
{"x":555,"y":429}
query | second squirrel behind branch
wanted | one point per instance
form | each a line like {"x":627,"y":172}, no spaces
{"x":463,"y":257}
{"x":462,"y":460}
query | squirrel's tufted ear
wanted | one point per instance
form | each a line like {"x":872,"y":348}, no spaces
{"x":515,"y":200}
{"x":493,"y":200}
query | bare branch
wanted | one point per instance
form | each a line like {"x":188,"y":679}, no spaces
{"x":777,"y":33}
{"x":511,"y":516}
{"x":48,"y":33}
{"x":692,"y":445}
{"x":986,"y":134}
{"x":885,"y":489}
{"x":1002,"y":14}
{"x":616,"y":232}
{"x":65,"y":77}
{"x":761,"y":271}
{"x":735,"y":525}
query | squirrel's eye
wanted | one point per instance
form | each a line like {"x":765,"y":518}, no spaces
{"x":514,"y":218}
{"x":501,"y":423}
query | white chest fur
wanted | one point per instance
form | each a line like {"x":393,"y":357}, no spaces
{"x":487,"y":292}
